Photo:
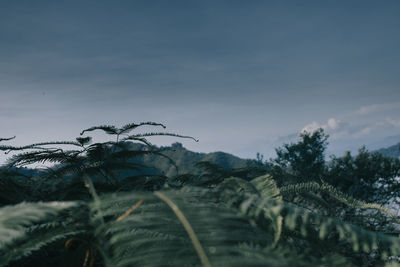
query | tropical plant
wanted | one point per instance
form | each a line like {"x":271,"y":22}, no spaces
{"x":235,"y":222}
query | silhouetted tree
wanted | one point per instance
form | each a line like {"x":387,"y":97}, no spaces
{"x":303,"y":161}
{"x":369,"y":176}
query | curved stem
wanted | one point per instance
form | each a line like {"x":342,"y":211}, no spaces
{"x":193,"y":237}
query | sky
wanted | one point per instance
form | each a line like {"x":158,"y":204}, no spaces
{"x":241,"y":76}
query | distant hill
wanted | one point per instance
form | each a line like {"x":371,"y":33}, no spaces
{"x":186,"y":159}
{"x":392,"y":151}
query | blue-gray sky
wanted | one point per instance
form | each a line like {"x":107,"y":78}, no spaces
{"x":241,"y":76}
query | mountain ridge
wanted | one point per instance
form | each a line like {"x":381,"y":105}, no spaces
{"x":186,"y":160}
{"x":391,"y":151}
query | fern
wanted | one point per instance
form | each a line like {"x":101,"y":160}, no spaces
{"x":306,"y":223}
{"x":177,"y":228}
{"x":18,"y":222}
{"x":223,"y":221}
{"x":15,"y":219}
{"x":190,"y":226}
{"x":7,"y":139}
{"x":110,"y":129}
{"x":333,"y":192}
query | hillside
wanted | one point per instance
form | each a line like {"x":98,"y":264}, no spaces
{"x":392,"y":151}
{"x":186,"y":160}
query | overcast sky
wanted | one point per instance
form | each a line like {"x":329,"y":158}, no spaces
{"x":241,"y":76}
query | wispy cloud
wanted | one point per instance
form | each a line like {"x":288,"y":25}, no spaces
{"x":365,"y":110}
{"x":338,"y":129}
{"x":392,"y":122}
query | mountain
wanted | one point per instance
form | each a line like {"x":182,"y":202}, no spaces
{"x":384,"y":142}
{"x":392,"y":151}
{"x":185,"y":159}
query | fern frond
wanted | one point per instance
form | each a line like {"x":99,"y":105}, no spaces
{"x":188,"y":227}
{"x":267,"y":187}
{"x":152,"y":234}
{"x":141,"y":140}
{"x":39,"y":146}
{"x":39,"y":241}
{"x":109,"y":129}
{"x":335,"y":193}
{"x":14,"y":220}
{"x":273,"y":257}
{"x":128,"y":127}
{"x":26,"y":158}
{"x":131,"y":137}
{"x":7,"y":139}
{"x":263,"y":186}
{"x":300,"y":219}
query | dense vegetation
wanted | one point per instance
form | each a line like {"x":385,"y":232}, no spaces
{"x":99,"y":204}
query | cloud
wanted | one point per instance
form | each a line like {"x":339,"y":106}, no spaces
{"x":311,"y":127}
{"x":331,"y":124}
{"x":365,"y":110}
{"x":340,"y":130}
{"x":392,"y":122}
{"x":343,"y":130}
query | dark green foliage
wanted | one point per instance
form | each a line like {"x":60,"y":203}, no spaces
{"x":110,"y":209}
{"x":14,"y":187}
{"x":142,"y":229}
{"x":303,"y":161}
{"x":368,"y":175}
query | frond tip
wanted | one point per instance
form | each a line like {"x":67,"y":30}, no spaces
{"x":7,"y":139}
